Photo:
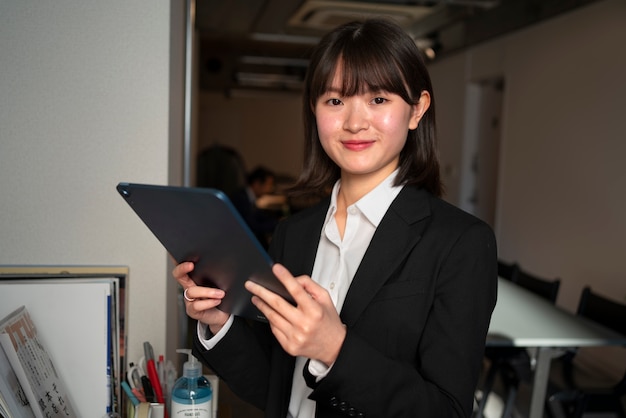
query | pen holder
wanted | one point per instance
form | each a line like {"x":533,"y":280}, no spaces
{"x":148,"y":410}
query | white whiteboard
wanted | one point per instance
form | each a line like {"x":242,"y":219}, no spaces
{"x":71,"y":320}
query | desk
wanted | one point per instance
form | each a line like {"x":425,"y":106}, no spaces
{"x":523,"y":319}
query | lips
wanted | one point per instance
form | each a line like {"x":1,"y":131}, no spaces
{"x":357,"y":145}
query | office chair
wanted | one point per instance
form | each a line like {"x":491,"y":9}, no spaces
{"x":577,"y":400}
{"x":514,"y":364}
{"x":507,"y":270}
{"x":547,"y":289}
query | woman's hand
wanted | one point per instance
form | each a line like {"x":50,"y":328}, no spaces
{"x":201,"y":302}
{"x":311,"y":329}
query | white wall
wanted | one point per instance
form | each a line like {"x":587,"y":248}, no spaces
{"x":562,"y":202}
{"x":84,"y":104}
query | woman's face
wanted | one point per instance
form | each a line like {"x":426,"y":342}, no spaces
{"x":364,"y":134}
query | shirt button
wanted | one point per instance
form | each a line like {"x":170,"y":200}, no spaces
{"x":332,"y":285}
{"x":352,"y":211}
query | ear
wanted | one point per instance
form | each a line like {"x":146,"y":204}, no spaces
{"x":419,"y":109}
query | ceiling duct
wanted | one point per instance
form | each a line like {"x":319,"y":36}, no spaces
{"x":321,"y":15}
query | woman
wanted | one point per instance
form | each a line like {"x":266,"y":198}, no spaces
{"x":394,"y":287}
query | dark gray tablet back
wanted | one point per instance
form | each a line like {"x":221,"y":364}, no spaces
{"x":202,"y":225}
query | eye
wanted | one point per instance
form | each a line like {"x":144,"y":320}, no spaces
{"x":378,"y":100}
{"x":334,"y":102}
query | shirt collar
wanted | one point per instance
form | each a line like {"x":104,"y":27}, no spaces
{"x":374,"y":204}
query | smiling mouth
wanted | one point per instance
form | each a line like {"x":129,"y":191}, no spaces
{"x":356,"y":145}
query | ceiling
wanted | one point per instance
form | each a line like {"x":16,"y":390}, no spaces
{"x":261,"y":46}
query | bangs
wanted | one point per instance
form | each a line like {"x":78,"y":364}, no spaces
{"x":362,"y":69}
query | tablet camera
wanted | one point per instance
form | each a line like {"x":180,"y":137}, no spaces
{"x":124,"y":192}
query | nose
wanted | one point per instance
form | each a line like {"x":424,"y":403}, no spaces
{"x":356,"y":117}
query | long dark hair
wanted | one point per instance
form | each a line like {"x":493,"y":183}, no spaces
{"x":375,"y":54}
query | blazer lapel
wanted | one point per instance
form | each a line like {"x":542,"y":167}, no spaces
{"x":303,"y":240}
{"x":397,"y":234}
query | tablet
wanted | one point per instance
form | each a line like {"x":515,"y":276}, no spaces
{"x":202,"y":225}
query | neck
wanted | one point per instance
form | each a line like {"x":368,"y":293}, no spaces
{"x":354,"y":187}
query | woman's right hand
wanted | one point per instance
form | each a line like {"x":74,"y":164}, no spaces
{"x":201,"y":302}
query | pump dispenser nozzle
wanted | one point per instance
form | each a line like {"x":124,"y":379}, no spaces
{"x":192,"y":367}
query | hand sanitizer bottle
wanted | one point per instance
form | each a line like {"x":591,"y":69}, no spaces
{"x":192,"y":394}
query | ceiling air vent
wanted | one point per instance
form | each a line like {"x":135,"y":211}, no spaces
{"x":320,"y":15}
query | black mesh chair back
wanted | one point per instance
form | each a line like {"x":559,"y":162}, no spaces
{"x":575,"y":401}
{"x":547,"y":289}
{"x":612,"y":315}
{"x":507,"y":270}
{"x":604,"y":311}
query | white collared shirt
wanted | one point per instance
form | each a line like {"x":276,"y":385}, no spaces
{"x":336,"y":264}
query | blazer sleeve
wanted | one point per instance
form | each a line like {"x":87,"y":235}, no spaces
{"x":439,"y":376}
{"x":241,"y":360}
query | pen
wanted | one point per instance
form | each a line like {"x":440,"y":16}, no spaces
{"x":153,"y":375}
{"x":161,"y":370}
{"x":147,"y":389}
{"x":130,"y":394}
{"x":147,"y":351}
{"x":154,"y":381}
{"x":170,"y":378}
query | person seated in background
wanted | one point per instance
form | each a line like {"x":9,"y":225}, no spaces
{"x":258,"y":205}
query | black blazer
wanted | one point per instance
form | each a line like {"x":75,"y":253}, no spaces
{"x":417,"y":313}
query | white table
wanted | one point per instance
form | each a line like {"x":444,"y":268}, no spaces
{"x":523,"y":319}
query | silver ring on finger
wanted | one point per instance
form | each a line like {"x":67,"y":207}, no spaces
{"x":187,"y":298}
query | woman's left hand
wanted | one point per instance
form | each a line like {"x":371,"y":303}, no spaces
{"x":310,"y":329}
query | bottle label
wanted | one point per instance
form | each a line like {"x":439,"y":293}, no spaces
{"x":191,"y":409}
